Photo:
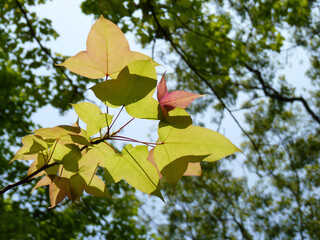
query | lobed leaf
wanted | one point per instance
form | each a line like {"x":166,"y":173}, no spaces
{"x":169,"y":101}
{"x":107,"y":52}
{"x":133,"y":89}
{"x":182,"y":144}
{"x":97,"y":188}
{"x":31,"y":146}
{"x":91,"y":114}
{"x":134,"y":167}
{"x":65,"y":134}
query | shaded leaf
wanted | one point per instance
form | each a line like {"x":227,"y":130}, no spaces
{"x":58,"y":190}
{"x":39,"y":162}
{"x":97,"y":188}
{"x":31,"y":145}
{"x":133,"y":89}
{"x":76,"y":185}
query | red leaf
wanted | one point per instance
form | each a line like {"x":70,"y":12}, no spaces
{"x":170,"y":100}
{"x":162,"y":88}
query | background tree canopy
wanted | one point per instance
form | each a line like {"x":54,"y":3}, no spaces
{"x":233,"y":51}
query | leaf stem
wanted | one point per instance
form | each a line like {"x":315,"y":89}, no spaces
{"x":113,"y":134}
{"x":114,"y":120}
{"x":127,"y":139}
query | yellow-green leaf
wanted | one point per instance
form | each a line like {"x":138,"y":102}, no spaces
{"x":134,"y":167}
{"x":184,"y":143}
{"x":133,"y":89}
{"x":91,"y":114}
{"x":97,"y":188}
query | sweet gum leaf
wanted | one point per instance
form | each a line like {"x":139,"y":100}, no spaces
{"x":169,"y":101}
{"x":176,"y":169}
{"x":65,"y":133}
{"x":40,"y":160}
{"x":58,"y":190}
{"x":193,"y":169}
{"x":46,"y":180}
{"x":183,"y":143}
{"x":134,"y":167}
{"x":91,"y":114}
{"x":133,"y":89}
{"x":97,"y":188}
{"x":88,"y":165}
{"x":76,"y":185}
{"x":107,"y":52}
{"x":31,"y":145}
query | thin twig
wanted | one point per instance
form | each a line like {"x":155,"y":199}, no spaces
{"x":274,"y":94}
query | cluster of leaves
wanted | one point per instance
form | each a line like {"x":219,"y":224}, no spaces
{"x":239,"y":53}
{"x":70,"y":156}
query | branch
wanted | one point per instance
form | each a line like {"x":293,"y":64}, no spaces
{"x":183,"y":55}
{"x":44,"y":49}
{"x":274,"y":94}
{"x":27,"y":178}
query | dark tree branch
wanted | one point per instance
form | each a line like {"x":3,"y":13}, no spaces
{"x":27,"y":178}
{"x":183,"y":55}
{"x":46,"y":51}
{"x":274,"y":94}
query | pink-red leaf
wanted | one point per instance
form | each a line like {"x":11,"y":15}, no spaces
{"x":171,"y":100}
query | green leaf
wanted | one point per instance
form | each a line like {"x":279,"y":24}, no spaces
{"x":76,"y":185}
{"x":65,"y":133}
{"x":31,"y":145}
{"x":184,"y":143}
{"x":133,"y":89}
{"x":91,"y":114}
{"x":134,"y":167}
{"x":89,"y":163}
{"x":39,"y":162}
{"x":69,"y":156}
{"x":97,"y":188}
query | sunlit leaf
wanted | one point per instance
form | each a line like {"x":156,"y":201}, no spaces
{"x":91,"y":114}
{"x":134,"y":167}
{"x":169,"y":101}
{"x":107,"y":52}
{"x":65,"y":134}
{"x":187,"y":143}
{"x":193,"y":169}
{"x":43,"y":182}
